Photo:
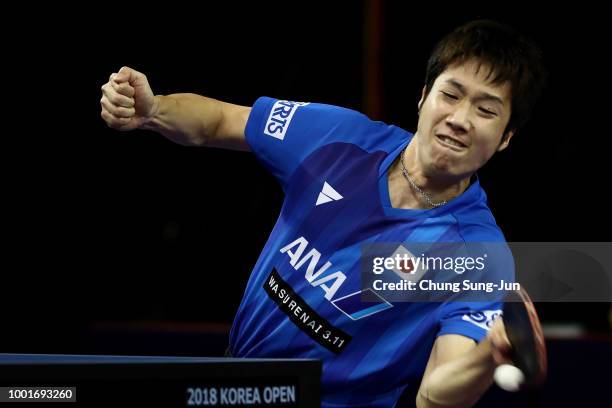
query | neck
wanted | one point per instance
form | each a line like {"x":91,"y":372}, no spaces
{"x":434,"y":188}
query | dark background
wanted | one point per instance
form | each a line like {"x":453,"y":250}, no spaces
{"x":108,"y":231}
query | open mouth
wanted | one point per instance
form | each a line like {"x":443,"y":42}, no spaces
{"x":451,"y":142}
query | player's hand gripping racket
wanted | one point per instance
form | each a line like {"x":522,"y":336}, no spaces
{"x":528,"y":350}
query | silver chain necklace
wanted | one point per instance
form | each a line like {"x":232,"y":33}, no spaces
{"x":425,"y":195}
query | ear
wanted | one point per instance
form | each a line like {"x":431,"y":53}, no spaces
{"x":506,"y":140}
{"x":423,"y":93}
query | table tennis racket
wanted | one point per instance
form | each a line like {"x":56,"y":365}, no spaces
{"x":523,"y":329}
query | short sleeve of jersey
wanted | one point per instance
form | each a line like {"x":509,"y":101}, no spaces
{"x":282,"y":134}
{"x":474,"y":319}
{"x":469,"y":319}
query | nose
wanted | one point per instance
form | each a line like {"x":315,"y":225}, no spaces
{"x":459,"y":118}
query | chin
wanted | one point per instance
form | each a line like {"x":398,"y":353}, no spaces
{"x":441,"y":164}
{"x":446,"y":170}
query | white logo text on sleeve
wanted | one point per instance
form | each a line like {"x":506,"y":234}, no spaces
{"x":280,"y":117}
{"x":483,"y":319}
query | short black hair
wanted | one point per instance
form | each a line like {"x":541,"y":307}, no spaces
{"x":509,"y":56}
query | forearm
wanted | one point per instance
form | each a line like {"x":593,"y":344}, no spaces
{"x":188,"y":119}
{"x":461,"y":382}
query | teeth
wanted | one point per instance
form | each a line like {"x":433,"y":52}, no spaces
{"x":451,"y":141}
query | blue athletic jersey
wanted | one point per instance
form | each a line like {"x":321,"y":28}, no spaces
{"x":302,"y":299}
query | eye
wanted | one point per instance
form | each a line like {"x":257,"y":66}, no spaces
{"x":449,"y":95}
{"x":488,"y":112}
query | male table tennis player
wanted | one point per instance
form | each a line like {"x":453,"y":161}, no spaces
{"x":348,"y":180}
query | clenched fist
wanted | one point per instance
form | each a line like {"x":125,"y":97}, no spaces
{"x":127,"y":100}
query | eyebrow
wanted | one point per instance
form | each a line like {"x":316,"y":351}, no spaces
{"x":481,"y":95}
